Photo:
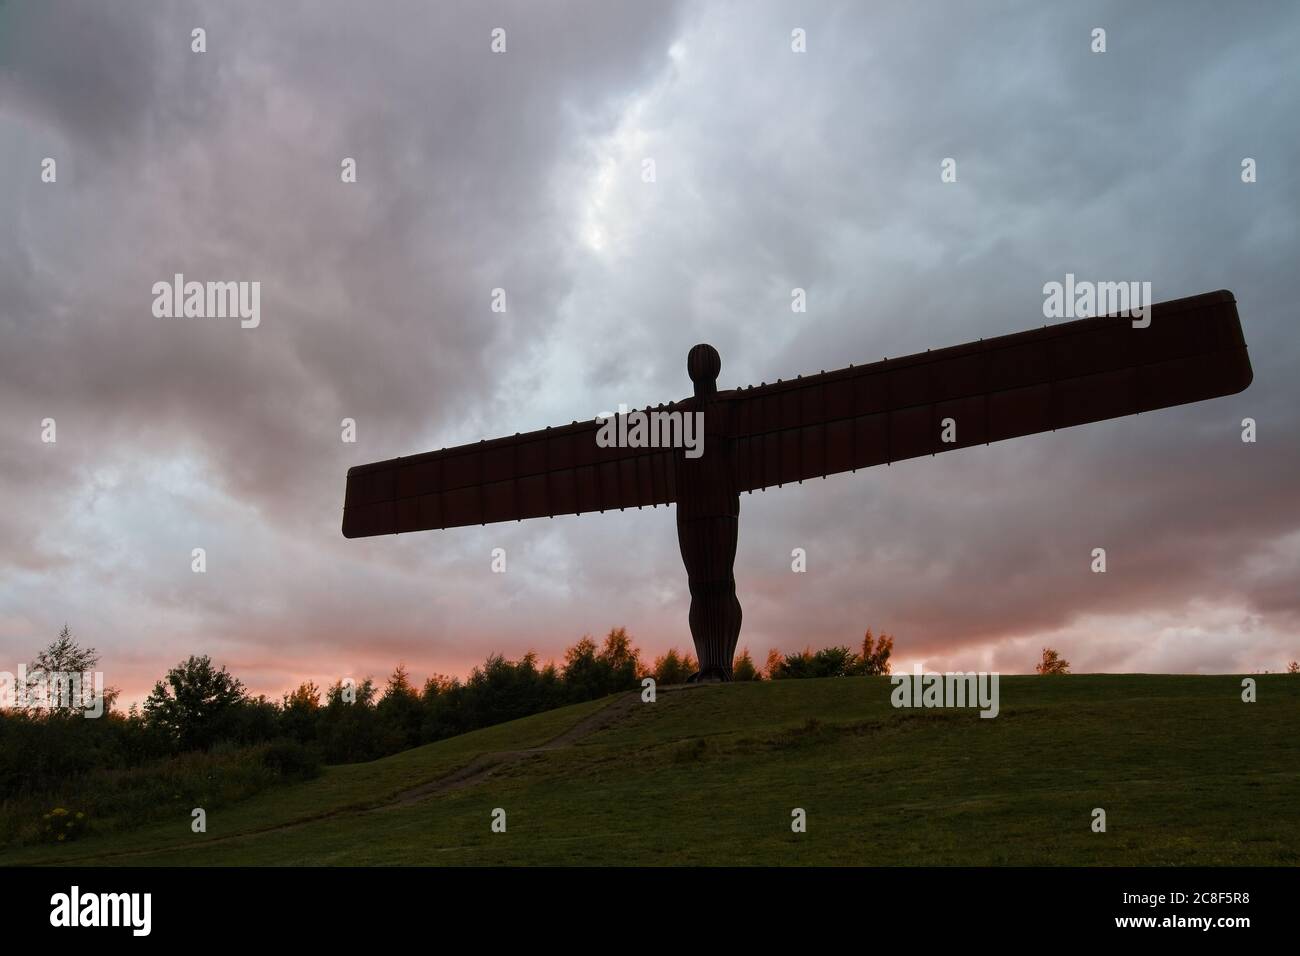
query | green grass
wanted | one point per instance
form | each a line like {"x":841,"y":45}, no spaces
{"x":1186,"y":772}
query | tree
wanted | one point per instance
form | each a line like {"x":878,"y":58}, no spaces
{"x":65,"y":655}
{"x":1293,"y":667}
{"x":400,"y":712}
{"x":773,"y":665}
{"x":349,"y":729}
{"x":48,"y":679}
{"x":305,"y":697}
{"x":399,"y":684}
{"x":590,"y":673}
{"x":874,"y":659}
{"x":584,"y":674}
{"x":622,"y":659}
{"x":743,"y":669}
{"x":1052,"y":663}
{"x":193,"y":701}
{"x":673,"y":668}
{"x":439,"y":685}
{"x":300,"y":711}
{"x":362,"y":694}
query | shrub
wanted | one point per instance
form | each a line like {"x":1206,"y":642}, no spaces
{"x":126,"y":797}
{"x":291,"y":760}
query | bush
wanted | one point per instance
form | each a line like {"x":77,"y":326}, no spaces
{"x":291,"y":760}
{"x":836,"y":661}
{"x":126,"y":797}
{"x":828,"y":662}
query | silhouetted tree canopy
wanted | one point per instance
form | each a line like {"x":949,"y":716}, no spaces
{"x":835,"y":661}
{"x":673,"y":668}
{"x":64,"y":656}
{"x":1052,"y":663}
{"x":743,"y":668}
{"x":194,"y":702}
{"x":198,"y":705}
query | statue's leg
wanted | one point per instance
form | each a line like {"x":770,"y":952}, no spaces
{"x":708,"y":547}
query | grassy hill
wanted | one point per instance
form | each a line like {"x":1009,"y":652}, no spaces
{"x":1186,"y":772}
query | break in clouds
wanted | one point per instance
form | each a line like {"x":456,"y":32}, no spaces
{"x":524,"y":171}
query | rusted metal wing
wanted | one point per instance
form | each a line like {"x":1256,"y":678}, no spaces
{"x":554,"y":471}
{"x":994,"y":389}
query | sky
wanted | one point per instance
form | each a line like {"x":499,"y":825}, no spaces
{"x":524,"y":170}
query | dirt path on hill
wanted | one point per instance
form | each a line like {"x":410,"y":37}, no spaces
{"x":484,"y":765}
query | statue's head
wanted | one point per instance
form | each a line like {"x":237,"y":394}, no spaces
{"x":703,"y":364}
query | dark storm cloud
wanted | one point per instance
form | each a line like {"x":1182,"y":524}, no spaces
{"x":523,"y":171}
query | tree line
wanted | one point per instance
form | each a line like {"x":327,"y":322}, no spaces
{"x":198,"y":706}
